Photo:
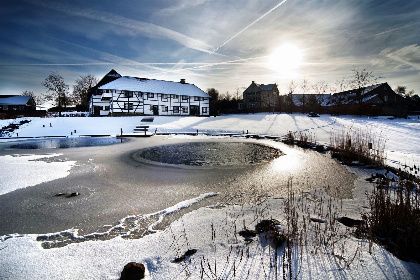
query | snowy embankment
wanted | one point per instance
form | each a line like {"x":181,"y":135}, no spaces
{"x":213,"y":231}
{"x":20,"y":171}
{"x":401,"y":135}
{"x":221,"y":252}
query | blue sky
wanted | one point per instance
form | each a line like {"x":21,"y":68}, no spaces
{"x":211,"y":43}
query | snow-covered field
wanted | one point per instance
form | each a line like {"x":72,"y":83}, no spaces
{"x":401,"y":135}
{"x":212,"y":231}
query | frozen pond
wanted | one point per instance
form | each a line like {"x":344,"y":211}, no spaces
{"x":211,"y":153}
{"x":54,"y":143}
{"x":114,"y":181}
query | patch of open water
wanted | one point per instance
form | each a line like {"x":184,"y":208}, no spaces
{"x":59,"y":143}
{"x":210,"y":153}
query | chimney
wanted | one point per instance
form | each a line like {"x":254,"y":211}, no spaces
{"x":182,"y":81}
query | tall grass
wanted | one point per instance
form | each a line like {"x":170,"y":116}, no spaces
{"x":394,"y":220}
{"x":363,"y":146}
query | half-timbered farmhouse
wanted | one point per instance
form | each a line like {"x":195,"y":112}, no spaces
{"x":141,"y":96}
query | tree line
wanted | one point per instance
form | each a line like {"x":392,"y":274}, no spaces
{"x":59,"y":92}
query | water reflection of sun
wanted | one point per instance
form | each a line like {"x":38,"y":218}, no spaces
{"x":286,"y":60}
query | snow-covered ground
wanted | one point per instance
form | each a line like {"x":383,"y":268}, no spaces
{"x":212,"y":231}
{"x":20,"y":170}
{"x":401,"y":135}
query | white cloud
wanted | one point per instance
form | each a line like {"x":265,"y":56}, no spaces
{"x":180,"y":6}
{"x":403,"y":58}
{"x":145,"y":28}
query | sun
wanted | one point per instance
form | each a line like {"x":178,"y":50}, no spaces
{"x":286,"y":60}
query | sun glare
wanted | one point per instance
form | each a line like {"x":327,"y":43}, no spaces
{"x":286,"y":60}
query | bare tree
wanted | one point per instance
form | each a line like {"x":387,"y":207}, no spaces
{"x":320,"y":88}
{"x":400,"y":90}
{"x":28,"y":93}
{"x":304,"y":86}
{"x":238,"y":94}
{"x":226,"y":96}
{"x":57,"y":90}
{"x":214,"y":100}
{"x":36,"y":98}
{"x":342,"y":85}
{"x":291,"y":87}
{"x":81,"y":89}
{"x":361,"y":79}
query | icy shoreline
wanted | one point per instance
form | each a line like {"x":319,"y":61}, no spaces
{"x":213,"y":232}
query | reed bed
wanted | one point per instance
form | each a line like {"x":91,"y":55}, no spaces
{"x":358,"y":146}
{"x":394,"y":219}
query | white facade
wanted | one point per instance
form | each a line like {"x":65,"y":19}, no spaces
{"x":128,"y":95}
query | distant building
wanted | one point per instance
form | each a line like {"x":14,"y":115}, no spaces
{"x":377,"y":99}
{"x":260,"y":97}
{"x":116,"y":94}
{"x":13,"y":105}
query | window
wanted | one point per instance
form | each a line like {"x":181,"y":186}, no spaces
{"x":204,"y":110}
{"x":128,"y":106}
{"x":176,"y":109}
{"x":150,"y":95}
{"x":128,"y":94}
{"x":106,"y":108}
{"x":164,"y":97}
{"x":164,"y":108}
{"x":184,"y":109}
{"x":386,"y":98}
{"x":184,"y":97}
{"x":175,"y":97}
{"x":196,"y":98}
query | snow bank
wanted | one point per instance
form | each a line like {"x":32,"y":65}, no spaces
{"x":221,"y":252}
{"x":21,"y":171}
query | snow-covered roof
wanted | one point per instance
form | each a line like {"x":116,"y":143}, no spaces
{"x":267,"y":87}
{"x":154,"y":86}
{"x":14,"y":100}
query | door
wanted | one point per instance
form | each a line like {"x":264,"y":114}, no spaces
{"x":155,"y":110}
{"x":194,"y":110}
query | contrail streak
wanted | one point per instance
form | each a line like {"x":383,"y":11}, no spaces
{"x":398,"y":28}
{"x":257,"y":20}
